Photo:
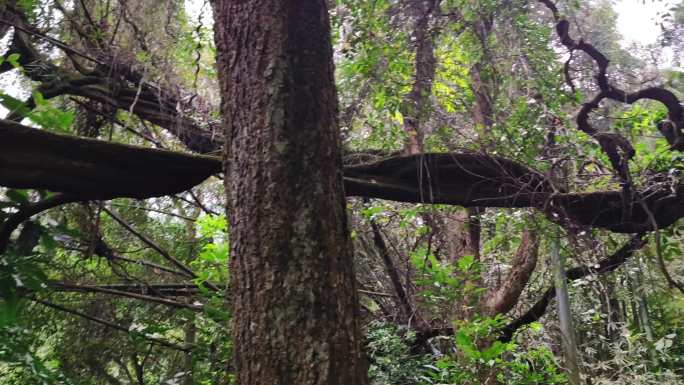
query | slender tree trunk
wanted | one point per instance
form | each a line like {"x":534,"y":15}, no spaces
{"x":642,"y":310}
{"x":392,"y":271}
{"x":415,"y":105}
{"x":564,"y":313}
{"x":188,"y":364}
{"x":294,"y":297}
{"x":611,"y":308}
{"x":138,"y":365}
{"x":483,"y":117}
{"x":503,"y":298}
{"x":643,"y":306}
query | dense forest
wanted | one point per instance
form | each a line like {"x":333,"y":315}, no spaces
{"x":369,"y":192}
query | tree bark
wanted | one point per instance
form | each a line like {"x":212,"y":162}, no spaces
{"x":294,"y":296}
{"x":502,"y":299}
{"x":414,"y":107}
{"x":564,"y":314}
{"x":98,"y":170}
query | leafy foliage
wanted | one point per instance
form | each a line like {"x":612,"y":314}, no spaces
{"x":169,"y":322}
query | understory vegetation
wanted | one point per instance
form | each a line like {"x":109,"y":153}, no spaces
{"x":512,"y":174}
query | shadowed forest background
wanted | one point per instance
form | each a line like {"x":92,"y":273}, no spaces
{"x":384,"y":192}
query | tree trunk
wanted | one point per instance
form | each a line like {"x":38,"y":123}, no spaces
{"x":501,"y":299}
{"x":294,"y":297}
{"x":564,"y":313}
{"x":415,"y":105}
{"x":644,"y":318}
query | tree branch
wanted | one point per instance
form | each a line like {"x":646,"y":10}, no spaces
{"x":539,"y":308}
{"x":96,"y":170}
{"x":103,"y":250}
{"x":502,"y":299}
{"x":157,"y":248}
{"x":32,"y":158}
{"x":605,"y":266}
{"x":151,"y":289}
{"x":70,"y":287}
{"x":391,"y":269}
{"x":112,"y":325}
{"x":27,"y":211}
{"x":112,"y":83}
{"x":613,"y":144}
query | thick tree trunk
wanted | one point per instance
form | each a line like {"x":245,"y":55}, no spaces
{"x":294,"y":296}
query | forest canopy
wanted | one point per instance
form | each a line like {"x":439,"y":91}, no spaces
{"x":378,"y":192}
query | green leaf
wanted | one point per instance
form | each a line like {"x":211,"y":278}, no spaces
{"x":211,"y":225}
{"x":14,"y":105}
{"x":465,"y":263}
{"x":399,"y":117}
{"x":465,"y":343}
{"x":494,"y":351}
{"x":18,"y":196}
{"x":372,"y":212}
{"x":14,"y":60}
{"x":38,"y":98}
{"x":536,"y":326}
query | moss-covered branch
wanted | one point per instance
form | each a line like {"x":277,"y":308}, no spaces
{"x":92,"y":169}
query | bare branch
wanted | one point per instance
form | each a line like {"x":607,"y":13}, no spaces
{"x":112,"y":325}
{"x":391,"y":269}
{"x":70,"y":287}
{"x":157,"y":248}
{"x":27,"y":211}
{"x":103,"y":250}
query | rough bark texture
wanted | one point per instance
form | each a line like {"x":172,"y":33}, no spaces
{"x":294,"y":295}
